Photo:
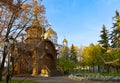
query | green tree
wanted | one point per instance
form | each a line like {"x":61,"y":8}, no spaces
{"x":68,"y":60}
{"x":66,"y":65}
{"x":73,"y":54}
{"x":104,"y":42}
{"x":115,"y":34}
{"x":111,"y":59}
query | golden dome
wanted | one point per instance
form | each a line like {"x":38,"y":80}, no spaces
{"x":65,"y":40}
{"x":48,"y":36}
{"x":51,"y":31}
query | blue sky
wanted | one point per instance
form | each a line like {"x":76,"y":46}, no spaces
{"x":80,"y":21}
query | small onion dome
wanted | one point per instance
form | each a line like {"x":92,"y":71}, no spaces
{"x":65,"y":40}
{"x":51,"y":31}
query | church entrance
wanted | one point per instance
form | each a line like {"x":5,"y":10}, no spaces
{"x":48,"y":60}
{"x":48,"y":65}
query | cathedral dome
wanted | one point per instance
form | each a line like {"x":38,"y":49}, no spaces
{"x":51,"y":35}
{"x":47,"y":35}
{"x":51,"y":31}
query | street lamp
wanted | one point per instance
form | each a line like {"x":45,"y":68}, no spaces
{"x":9,"y":44}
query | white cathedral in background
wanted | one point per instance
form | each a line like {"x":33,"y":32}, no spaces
{"x":51,"y":35}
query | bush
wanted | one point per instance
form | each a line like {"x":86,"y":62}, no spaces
{"x":66,"y":65}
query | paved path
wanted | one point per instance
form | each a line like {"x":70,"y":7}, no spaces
{"x":60,"y":79}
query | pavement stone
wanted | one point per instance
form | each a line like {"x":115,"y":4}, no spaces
{"x":59,"y":79}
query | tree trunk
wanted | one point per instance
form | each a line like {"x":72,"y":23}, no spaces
{"x":2,"y":64}
{"x":1,"y":74}
{"x":93,"y":67}
{"x":107,"y":68}
{"x":98,"y":68}
{"x":1,"y":69}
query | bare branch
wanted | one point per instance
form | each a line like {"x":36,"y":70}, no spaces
{"x":109,"y":62}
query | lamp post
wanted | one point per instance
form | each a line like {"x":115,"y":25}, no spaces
{"x":9,"y":44}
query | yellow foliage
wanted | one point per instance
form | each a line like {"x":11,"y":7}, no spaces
{"x":25,"y":6}
{"x":119,"y":39}
{"x":64,"y":50}
{"x":75,"y":48}
{"x":108,"y":51}
{"x":35,"y":11}
{"x":34,"y":21}
{"x":91,"y":54}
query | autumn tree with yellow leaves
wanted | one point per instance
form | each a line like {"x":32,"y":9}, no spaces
{"x":15,"y":17}
{"x":90,"y":56}
{"x":64,"y":52}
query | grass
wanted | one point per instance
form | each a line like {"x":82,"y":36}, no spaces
{"x":111,"y":74}
{"x":18,"y":81}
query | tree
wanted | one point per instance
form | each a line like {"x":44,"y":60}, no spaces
{"x":15,"y":17}
{"x":90,"y":56}
{"x":111,"y":59}
{"x":68,"y":60}
{"x":64,"y":52}
{"x":73,"y":53}
{"x":104,"y":42}
{"x":66,"y":65}
{"x":115,"y":34}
